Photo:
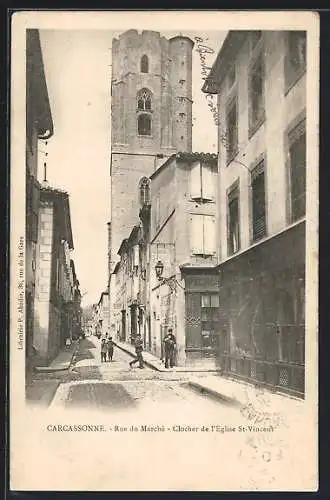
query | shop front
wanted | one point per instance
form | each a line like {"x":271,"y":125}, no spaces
{"x":202,"y":326}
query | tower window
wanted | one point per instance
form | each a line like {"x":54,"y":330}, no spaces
{"x":144,"y":66}
{"x":144,"y":100}
{"x":144,"y":124}
{"x":144,"y":191}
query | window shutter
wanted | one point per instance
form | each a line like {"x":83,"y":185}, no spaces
{"x":258,"y":201}
{"x":209,"y":235}
{"x":197,"y":234}
{"x":208,"y":183}
{"x":195,"y":181}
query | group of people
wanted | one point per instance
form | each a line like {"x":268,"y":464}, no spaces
{"x":169,"y":349}
{"x":107,"y":347}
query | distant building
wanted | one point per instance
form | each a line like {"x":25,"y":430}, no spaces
{"x":102,"y":315}
{"x":151,"y":117}
{"x":39,"y":126}
{"x":127,"y":299}
{"x":53,"y":291}
{"x":260,"y":80}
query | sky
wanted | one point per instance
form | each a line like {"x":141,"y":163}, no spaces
{"x":78,"y":74}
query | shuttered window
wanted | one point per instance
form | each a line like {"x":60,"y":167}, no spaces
{"x":233,"y":229}
{"x":256,"y":95}
{"x":297,"y":156}
{"x":202,"y":182}
{"x":203,"y":234}
{"x":258,"y":202}
{"x":232,"y":130}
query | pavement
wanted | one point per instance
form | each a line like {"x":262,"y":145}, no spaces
{"x":63,"y":360}
{"x":236,"y":393}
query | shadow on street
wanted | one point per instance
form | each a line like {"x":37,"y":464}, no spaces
{"x":101,"y":396}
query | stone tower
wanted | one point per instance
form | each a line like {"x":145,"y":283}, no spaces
{"x":151,"y":113}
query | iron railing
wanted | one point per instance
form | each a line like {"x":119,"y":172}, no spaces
{"x":283,"y":376}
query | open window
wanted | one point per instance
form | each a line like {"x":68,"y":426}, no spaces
{"x":144,"y":64}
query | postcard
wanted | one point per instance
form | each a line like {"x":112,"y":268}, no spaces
{"x":164,"y":251}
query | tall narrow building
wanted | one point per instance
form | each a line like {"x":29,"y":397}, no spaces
{"x":151,"y":118}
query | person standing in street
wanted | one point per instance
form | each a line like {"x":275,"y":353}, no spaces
{"x":138,"y":351}
{"x":110,"y":349}
{"x":104,"y":348}
{"x":169,"y":347}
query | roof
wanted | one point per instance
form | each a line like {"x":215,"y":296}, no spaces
{"x":101,"y":297}
{"x":128,"y":240}
{"x":36,"y":87}
{"x":231,"y":45}
{"x":62,"y":206}
{"x":188,"y":158}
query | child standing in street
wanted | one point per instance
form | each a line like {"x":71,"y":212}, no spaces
{"x":104,"y":348}
{"x":110,"y":349}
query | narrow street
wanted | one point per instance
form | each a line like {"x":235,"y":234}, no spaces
{"x":115,"y":386}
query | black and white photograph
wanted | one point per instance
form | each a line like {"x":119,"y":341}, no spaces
{"x":164,"y":251}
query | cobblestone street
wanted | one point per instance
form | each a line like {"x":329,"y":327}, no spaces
{"x":90,"y":384}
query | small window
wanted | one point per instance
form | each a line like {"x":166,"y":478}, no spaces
{"x":233,"y":221}
{"x":232,"y":130}
{"x":144,"y":64}
{"x":144,"y":124}
{"x":297,"y":159}
{"x":256,"y":95}
{"x":258,"y":202}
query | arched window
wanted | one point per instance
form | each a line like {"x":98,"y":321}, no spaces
{"x":144,"y":100}
{"x":144,"y":124}
{"x":144,"y":66}
{"x":144,"y":191}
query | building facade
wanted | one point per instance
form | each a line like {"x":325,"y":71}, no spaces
{"x":101,"y":316}
{"x":151,"y":113}
{"x":262,"y":205}
{"x":183,"y":235}
{"x":53,"y":291}
{"x":39,"y":126}
{"x":177,"y":230}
